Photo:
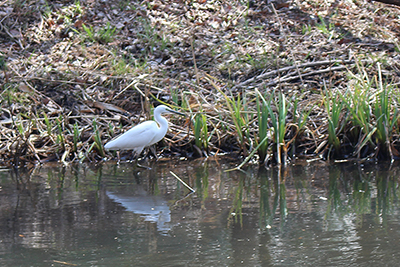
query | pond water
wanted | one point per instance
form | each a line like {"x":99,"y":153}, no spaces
{"x":111,"y":215}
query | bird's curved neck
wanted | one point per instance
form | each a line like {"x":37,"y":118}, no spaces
{"x":162,"y":122}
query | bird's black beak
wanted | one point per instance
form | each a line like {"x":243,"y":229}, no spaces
{"x":176,"y":112}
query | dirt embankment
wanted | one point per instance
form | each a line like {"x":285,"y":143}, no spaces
{"x":76,"y":73}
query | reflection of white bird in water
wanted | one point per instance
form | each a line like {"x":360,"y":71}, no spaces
{"x":143,"y":135}
{"x":151,"y":208}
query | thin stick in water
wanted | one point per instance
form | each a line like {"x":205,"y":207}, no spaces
{"x":180,"y":180}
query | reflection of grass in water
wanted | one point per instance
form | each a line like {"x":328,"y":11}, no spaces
{"x":334,"y":196}
{"x":275,"y":191}
{"x":361,"y":197}
{"x":387,"y":194}
{"x":202,"y":182}
{"x":266,"y":214}
{"x":352,"y":194}
{"x":282,"y":201}
{"x":346,"y":194}
{"x":237,"y":205}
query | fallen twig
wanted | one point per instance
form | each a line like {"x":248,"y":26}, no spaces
{"x":305,"y":65}
{"x":180,"y":180}
{"x":299,"y":76}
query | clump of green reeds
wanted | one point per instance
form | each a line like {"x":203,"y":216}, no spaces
{"x":200,"y":131}
{"x":334,"y":105}
{"x":76,"y":137}
{"x":97,"y":140}
{"x":263,"y":127}
{"x":265,"y":114}
{"x":373,"y":113}
{"x":240,"y":119}
{"x":240,"y":115}
{"x":386,"y":114}
{"x":60,"y":136}
{"x":278,"y":122}
{"x":49,"y":126}
{"x":358,"y":102}
{"x":199,"y":125}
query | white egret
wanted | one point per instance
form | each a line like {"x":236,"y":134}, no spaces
{"x":144,"y":134}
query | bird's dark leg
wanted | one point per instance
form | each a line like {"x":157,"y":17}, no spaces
{"x":137,"y":165}
{"x":136,"y":175}
{"x":153,"y":151}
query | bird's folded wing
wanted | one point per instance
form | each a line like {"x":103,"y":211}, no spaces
{"x":138,"y":137}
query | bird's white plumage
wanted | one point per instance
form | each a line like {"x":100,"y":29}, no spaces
{"x":144,"y":134}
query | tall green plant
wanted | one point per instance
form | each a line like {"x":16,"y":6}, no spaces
{"x":382,"y":112}
{"x":201,"y":131}
{"x":278,"y":123}
{"x":357,"y":100}
{"x":240,"y":121}
{"x":334,"y":106}
{"x":369,"y":102}
{"x":386,"y":114}
{"x":60,"y":136}
{"x":97,"y":140}
{"x":49,"y":126}
{"x":76,"y":136}
{"x":262,"y":116}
